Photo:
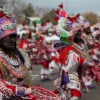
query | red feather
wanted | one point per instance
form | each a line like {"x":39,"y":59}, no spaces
{"x":61,"y":5}
{"x":2,"y":15}
{"x":56,"y":18}
{"x":96,"y":28}
{"x":73,"y":19}
{"x":57,"y":11}
{"x":77,"y":15}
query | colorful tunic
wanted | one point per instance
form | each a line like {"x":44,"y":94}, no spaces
{"x":13,"y":70}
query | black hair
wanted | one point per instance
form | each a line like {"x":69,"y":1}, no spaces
{"x":87,"y":30}
{"x":21,"y":57}
{"x":78,"y":40}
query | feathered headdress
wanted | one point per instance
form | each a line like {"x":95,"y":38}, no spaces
{"x":5,"y":14}
{"x":73,"y":18}
{"x":7,"y":23}
{"x":59,"y":12}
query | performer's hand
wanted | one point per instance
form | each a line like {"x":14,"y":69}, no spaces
{"x":28,"y":91}
{"x":38,"y":33}
{"x":85,"y":54}
{"x":71,"y":36}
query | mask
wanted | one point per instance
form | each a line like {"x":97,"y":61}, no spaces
{"x":77,"y":37}
{"x":50,"y":34}
{"x":87,"y":30}
{"x":78,"y":33}
{"x":9,"y":42}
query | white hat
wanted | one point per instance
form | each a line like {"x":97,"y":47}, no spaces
{"x":95,"y":33}
{"x":86,"y":24}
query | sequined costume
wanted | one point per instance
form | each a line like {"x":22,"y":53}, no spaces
{"x":14,"y":63}
{"x":13,"y":70}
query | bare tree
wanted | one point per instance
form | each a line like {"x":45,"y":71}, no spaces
{"x":91,"y":17}
{"x":49,"y":16}
{"x":29,"y":10}
{"x":3,"y":2}
{"x":40,"y":11}
{"x":16,"y":7}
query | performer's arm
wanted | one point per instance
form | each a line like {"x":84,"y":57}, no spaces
{"x":8,"y":89}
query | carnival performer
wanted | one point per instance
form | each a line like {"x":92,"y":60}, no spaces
{"x":14,"y":62}
{"x":25,"y":40}
{"x":48,"y":53}
{"x":95,"y":53}
{"x":44,"y":54}
{"x":87,"y":35}
{"x":40,"y":56}
{"x":91,"y":47}
{"x":23,"y":44}
{"x":79,"y":43}
{"x":71,"y":64}
{"x":52,"y":53}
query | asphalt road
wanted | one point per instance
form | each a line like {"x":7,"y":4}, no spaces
{"x":93,"y":94}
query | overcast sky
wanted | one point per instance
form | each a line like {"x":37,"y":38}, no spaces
{"x":71,"y":6}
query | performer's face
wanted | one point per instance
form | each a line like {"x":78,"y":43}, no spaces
{"x":50,"y":34}
{"x":78,"y":33}
{"x":98,"y":37}
{"x":87,"y":30}
{"x":77,"y":37}
{"x":9,"y":42}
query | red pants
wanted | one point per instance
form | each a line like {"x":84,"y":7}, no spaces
{"x":75,"y":93}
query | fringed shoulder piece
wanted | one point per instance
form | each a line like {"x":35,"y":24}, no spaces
{"x":27,"y":60}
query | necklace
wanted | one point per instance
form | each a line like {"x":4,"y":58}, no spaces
{"x":14,"y":62}
{"x":11,"y":60}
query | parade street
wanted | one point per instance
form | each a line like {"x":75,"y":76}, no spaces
{"x":94,"y":94}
